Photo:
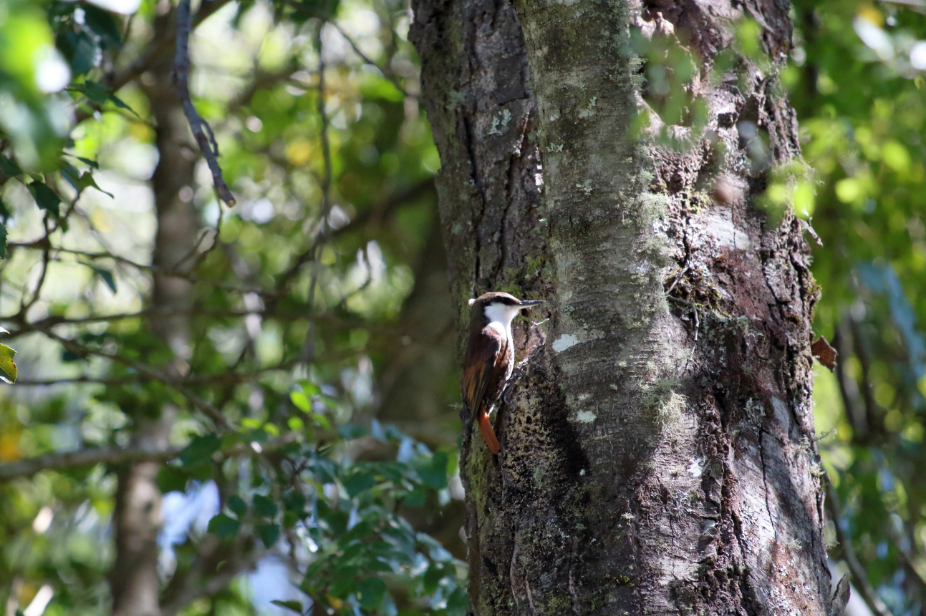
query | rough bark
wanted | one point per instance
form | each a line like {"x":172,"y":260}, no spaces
{"x":134,"y":580}
{"x":658,"y":446}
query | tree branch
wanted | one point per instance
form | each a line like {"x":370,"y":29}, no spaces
{"x":388,"y":74}
{"x":201,"y":130}
{"x":121,"y":455}
{"x":146,"y":371}
{"x":84,"y":457}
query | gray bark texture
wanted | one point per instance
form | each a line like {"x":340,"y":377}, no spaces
{"x":134,"y":580}
{"x":658,"y":442}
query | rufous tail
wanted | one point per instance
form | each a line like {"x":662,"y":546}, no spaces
{"x":485,"y":426}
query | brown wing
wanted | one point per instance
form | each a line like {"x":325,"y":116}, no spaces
{"x":481,"y":381}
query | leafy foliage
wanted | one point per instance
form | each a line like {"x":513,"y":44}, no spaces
{"x":289,"y":318}
{"x":856,"y":79}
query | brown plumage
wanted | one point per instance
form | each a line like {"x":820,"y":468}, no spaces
{"x":489,"y":358}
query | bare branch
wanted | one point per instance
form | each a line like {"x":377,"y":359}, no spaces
{"x":388,"y":74}
{"x":149,"y":372}
{"x":153,"y":313}
{"x":201,"y":130}
{"x":324,"y":228}
{"x":155,"y":51}
{"x":121,"y":455}
{"x":84,"y":457}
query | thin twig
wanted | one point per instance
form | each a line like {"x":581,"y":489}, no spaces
{"x":326,"y":173}
{"x":24,"y":306}
{"x":84,"y":457}
{"x":201,"y":130}
{"x":151,"y":313}
{"x":677,"y":278}
{"x":389,"y":75}
{"x":121,"y":455}
{"x":155,"y":51}
{"x":149,"y":372}
{"x":324,"y":228}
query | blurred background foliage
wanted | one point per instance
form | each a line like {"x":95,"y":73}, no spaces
{"x":309,"y":462}
{"x":856,"y":79}
{"x":306,"y":304}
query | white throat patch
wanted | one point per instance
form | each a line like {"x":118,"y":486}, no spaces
{"x":501,"y":316}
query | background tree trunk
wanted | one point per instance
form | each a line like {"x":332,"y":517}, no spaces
{"x":658,"y":449}
{"x":134,"y":578}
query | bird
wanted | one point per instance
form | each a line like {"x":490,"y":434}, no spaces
{"x":489,"y":358}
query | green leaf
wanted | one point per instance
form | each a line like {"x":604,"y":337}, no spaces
{"x":269,"y":534}
{"x":8,"y":369}
{"x":70,"y":174}
{"x":357,"y":482}
{"x":263,"y":506}
{"x":103,"y":24}
{"x":458,"y":602}
{"x":329,"y":401}
{"x":432,"y":578}
{"x":237,"y":505}
{"x":292,"y":606}
{"x":8,"y":167}
{"x":118,"y":102}
{"x":80,"y":50}
{"x":2,"y":240}
{"x":294,"y":501}
{"x":434,"y":473}
{"x":301,"y":401}
{"x":324,"y":469}
{"x":107,"y":277}
{"x":171,"y":479}
{"x":86,"y":181}
{"x":309,"y":388}
{"x":223,"y":526}
{"x":200,"y":449}
{"x":415,"y":498}
{"x":96,"y":92}
{"x":371,"y":591}
{"x":92,"y":163}
{"x":344,"y":582}
{"x":45,"y":197}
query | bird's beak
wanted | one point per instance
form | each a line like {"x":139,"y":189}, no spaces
{"x":529,"y":303}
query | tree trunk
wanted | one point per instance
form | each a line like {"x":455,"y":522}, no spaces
{"x":658,"y":445}
{"x":134,"y":579}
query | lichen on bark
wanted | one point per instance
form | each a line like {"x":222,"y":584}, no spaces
{"x":658,"y":443}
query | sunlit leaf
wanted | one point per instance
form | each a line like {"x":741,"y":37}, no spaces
{"x":86,"y":181}
{"x":8,"y":370}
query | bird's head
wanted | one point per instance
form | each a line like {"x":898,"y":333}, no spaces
{"x":498,"y":307}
